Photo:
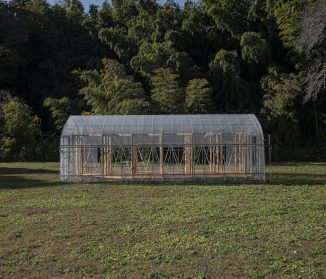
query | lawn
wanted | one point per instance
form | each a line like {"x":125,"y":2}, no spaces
{"x":54,"y":230}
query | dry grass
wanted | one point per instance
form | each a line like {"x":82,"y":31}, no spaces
{"x":54,"y":230}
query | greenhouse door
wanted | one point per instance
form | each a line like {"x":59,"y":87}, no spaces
{"x":91,"y":155}
{"x":121,"y":159}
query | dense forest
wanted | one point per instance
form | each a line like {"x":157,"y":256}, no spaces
{"x":266,"y":57}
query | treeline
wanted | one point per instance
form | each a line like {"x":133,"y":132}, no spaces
{"x":266,"y":57}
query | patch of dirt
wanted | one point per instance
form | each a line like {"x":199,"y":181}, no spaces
{"x":195,"y":221}
{"x":36,"y":210}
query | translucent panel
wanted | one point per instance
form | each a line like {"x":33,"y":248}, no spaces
{"x":162,"y":124}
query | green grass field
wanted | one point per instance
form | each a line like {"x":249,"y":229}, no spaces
{"x":54,"y":230}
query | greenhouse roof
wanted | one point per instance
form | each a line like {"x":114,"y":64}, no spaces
{"x":162,"y":124}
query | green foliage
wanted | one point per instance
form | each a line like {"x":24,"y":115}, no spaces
{"x":104,"y":16}
{"x":141,"y":27}
{"x":133,"y":106}
{"x":230,"y":16}
{"x":47,"y":149}
{"x":229,"y":44}
{"x":160,"y":55}
{"x":122,"y":10}
{"x":118,"y":41}
{"x":166,"y":92}
{"x":199,"y":96}
{"x":226,"y":62}
{"x":280,"y":97}
{"x":74,"y":9}
{"x":167,"y":18}
{"x":287,"y":18}
{"x":254,"y":49}
{"x":62,"y":108}
{"x":280,"y":92}
{"x":19,"y":132}
{"x":111,"y":91}
{"x":234,"y":94}
{"x":37,"y":6}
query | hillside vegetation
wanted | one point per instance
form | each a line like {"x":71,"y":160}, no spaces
{"x":265,"y":57}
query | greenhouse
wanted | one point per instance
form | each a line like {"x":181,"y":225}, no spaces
{"x":162,"y":147}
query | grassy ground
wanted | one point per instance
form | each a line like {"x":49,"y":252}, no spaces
{"x":54,"y":230}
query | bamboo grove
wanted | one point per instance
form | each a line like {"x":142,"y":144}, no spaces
{"x":265,"y":57}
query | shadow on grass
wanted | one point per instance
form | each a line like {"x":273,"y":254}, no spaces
{"x":16,"y":182}
{"x":277,"y":179}
{"x":14,"y":179}
{"x":297,"y":164}
{"x":296,"y":179}
{"x":6,"y":170}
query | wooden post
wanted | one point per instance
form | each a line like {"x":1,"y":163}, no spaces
{"x":210,"y":154}
{"x":161,"y":155}
{"x":245,"y":154}
{"x":81,"y":156}
{"x":134,"y":158}
{"x":238,"y":152}
{"x":106,"y":159}
{"x":214,"y":154}
{"x":221,"y":155}
{"x":188,"y":153}
{"x":107,"y":156}
{"x":84,"y":157}
{"x":270,"y":155}
{"x":219,"y":152}
{"x":250,"y":153}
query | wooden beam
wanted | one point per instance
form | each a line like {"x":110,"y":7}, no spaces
{"x":134,"y":158}
{"x":107,"y":156}
{"x":188,"y":154}
{"x":161,"y":156}
{"x":84,"y":157}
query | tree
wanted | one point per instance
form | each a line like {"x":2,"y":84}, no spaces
{"x":74,"y":9}
{"x":232,"y":92}
{"x":280,"y":92}
{"x":254,"y":48}
{"x":111,"y":91}
{"x":199,"y":97}
{"x":118,"y":41}
{"x":156,"y":49}
{"x":287,"y":19}
{"x":312,"y":41}
{"x":123,"y":10}
{"x":13,"y":34}
{"x":280,"y":97}
{"x":160,"y":55}
{"x":230,"y":16}
{"x":166,"y":92}
{"x":199,"y":34}
{"x":226,"y":62}
{"x":20,"y":130}
{"x":104,"y":16}
{"x":167,"y":18}
{"x":62,"y":108}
